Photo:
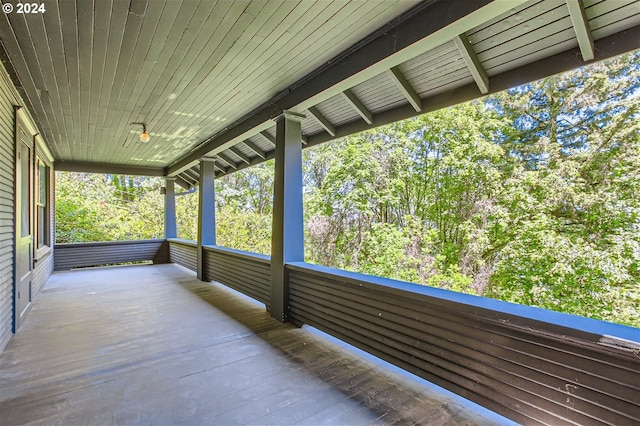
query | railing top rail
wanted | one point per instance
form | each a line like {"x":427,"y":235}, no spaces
{"x":239,"y":253}
{"x":109,"y":243}
{"x":608,"y":334}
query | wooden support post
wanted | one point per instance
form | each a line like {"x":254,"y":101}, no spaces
{"x":170,"y":228}
{"x":206,"y":212}
{"x":287,"y":241}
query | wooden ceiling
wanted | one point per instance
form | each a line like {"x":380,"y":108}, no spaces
{"x":208,"y":77}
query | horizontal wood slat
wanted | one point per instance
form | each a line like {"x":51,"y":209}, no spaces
{"x":184,"y":253}
{"x":7,"y":217}
{"x":248,"y":273}
{"x":518,"y":361}
{"x":77,"y":255}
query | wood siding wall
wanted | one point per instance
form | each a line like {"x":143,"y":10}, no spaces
{"x":7,"y":130}
{"x":525,"y":363}
{"x":184,"y":253}
{"x":69,"y":256}
{"x":248,"y":273}
{"x":42,"y":269}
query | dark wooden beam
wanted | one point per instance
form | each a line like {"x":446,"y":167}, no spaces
{"x":605,"y":48}
{"x":473,"y":63}
{"x":405,"y":88}
{"x":116,"y":169}
{"x":324,"y":121}
{"x":268,"y":137}
{"x":406,"y":32}
{"x":253,"y":147}
{"x":227,"y":160}
{"x":581,"y":28}
{"x":240,"y":154}
{"x":183,"y":183}
{"x":358,"y":106}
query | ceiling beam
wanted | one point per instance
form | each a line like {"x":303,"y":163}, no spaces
{"x":429,"y":24}
{"x":610,"y":46}
{"x":605,"y":48}
{"x":183,"y":183}
{"x":405,"y":87}
{"x":191,"y":174}
{"x":324,"y":122}
{"x":240,"y":154}
{"x":188,"y":180}
{"x":106,"y":168}
{"x":269,"y":137}
{"x":227,"y":160}
{"x":581,"y":28}
{"x":473,"y":63}
{"x":253,"y":147}
{"x":357,"y":104}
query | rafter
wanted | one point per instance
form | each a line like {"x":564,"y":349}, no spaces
{"x":324,"y":122}
{"x":405,"y":87}
{"x":268,"y":137}
{"x":89,"y":167}
{"x":395,"y":44}
{"x":227,"y":160}
{"x":581,"y":28}
{"x":240,"y":154}
{"x":473,"y":63}
{"x":253,"y":147}
{"x":184,"y":183}
{"x":191,"y":174}
{"x":356,"y":104}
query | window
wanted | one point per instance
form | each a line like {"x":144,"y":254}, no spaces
{"x":42,"y":204}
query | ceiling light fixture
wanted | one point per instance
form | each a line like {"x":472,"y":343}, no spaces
{"x":144,"y":136}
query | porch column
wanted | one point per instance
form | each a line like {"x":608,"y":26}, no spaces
{"x":206,"y":212}
{"x":287,"y":240}
{"x":170,"y":227}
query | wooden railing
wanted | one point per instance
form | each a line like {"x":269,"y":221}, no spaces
{"x":531,"y":365}
{"x":184,"y":253}
{"x":248,"y":273}
{"x":78,"y":255}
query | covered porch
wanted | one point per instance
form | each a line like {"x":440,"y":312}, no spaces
{"x":151,"y":344}
{"x":201,"y":90}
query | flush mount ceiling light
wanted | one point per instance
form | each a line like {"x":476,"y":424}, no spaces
{"x":144,"y":136}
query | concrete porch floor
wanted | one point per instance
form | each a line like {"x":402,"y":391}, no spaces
{"x":153,"y":345}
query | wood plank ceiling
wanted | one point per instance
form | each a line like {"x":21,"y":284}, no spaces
{"x":207,"y":77}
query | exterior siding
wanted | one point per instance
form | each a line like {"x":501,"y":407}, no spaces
{"x":43,"y":269}
{"x":7,"y":101}
{"x":9,"y":97}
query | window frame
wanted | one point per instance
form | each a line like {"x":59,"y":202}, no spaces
{"x":43,"y":230}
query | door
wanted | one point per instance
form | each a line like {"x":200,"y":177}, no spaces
{"x":24,"y":234}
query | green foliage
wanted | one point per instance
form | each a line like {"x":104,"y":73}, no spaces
{"x":243,"y":210}
{"x":91,"y":207}
{"x":530,"y":196}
